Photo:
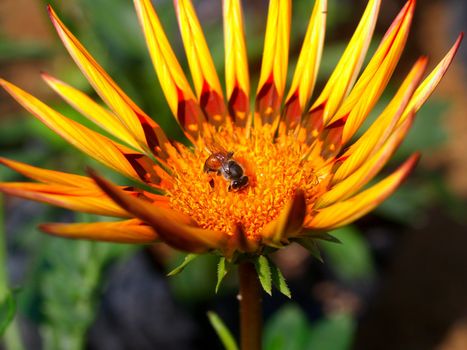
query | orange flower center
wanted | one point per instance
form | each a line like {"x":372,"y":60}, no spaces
{"x":276,"y":168}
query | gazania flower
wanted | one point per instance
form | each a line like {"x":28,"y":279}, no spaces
{"x":287,"y":168}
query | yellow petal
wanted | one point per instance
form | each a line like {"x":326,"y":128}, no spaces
{"x":49,"y":176}
{"x":376,"y":75}
{"x":274,"y":65}
{"x":343,"y":213}
{"x":372,"y":140}
{"x":129,"y":231}
{"x":346,"y":71}
{"x":91,"y":110}
{"x":173,"y":228}
{"x":72,"y":198}
{"x":288,"y":223}
{"x":431,"y":82}
{"x":175,"y":86}
{"x":143,"y":128}
{"x":307,"y":66}
{"x":205,"y":79}
{"x":115,"y":156}
{"x":367,"y":171}
{"x":237,"y":78}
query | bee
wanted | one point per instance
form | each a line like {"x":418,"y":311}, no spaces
{"x":221,"y":162}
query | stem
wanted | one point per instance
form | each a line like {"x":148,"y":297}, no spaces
{"x":250,"y":307}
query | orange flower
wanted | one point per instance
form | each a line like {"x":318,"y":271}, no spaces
{"x":251,"y":178}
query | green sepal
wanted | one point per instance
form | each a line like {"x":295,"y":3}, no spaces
{"x":8,"y":311}
{"x":222,"y":331}
{"x":279,"y":281}
{"x":223,"y":267}
{"x":264,"y":273}
{"x":323,"y":236}
{"x":188,"y":259}
{"x":312,"y":247}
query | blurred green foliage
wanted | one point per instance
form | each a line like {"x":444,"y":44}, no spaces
{"x":290,"y":329}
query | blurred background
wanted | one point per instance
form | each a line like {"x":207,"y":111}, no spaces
{"x":398,"y":281}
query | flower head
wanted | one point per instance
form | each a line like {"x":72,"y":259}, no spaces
{"x":287,"y":168}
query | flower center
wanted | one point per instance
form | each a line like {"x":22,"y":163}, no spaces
{"x":275,"y":167}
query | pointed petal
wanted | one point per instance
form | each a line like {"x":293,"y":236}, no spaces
{"x":115,"y":156}
{"x":307,"y":66}
{"x":376,"y":75}
{"x":367,"y":170}
{"x":143,"y":128}
{"x":372,"y":140}
{"x":49,"y":176}
{"x":237,"y":78}
{"x":175,"y":86}
{"x":91,"y":110}
{"x":274,"y":65}
{"x":239,"y":242}
{"x":72,"y":198}
{"x":343,"y":213}
{"x":288,"y":223}
{"x":427,"y":87}
{"x":173,"y":228}
{"x":346,"y":71}
{"x":205,"y":79}
{"x":129,"y":231}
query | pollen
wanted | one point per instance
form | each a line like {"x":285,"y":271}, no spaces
{"x":276,"y":168}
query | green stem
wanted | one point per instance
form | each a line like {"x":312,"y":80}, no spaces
{"x":12,"y":338}
{"x":250,"y":307}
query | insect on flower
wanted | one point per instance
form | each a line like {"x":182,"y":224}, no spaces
{"x":221,"y":162}
{"x":296,"y":171}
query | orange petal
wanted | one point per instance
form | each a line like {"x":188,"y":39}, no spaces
{"x":346,"y":71}
{"x":343,"y":213}
{"x":115,"y":156}
{"x":274,"y":65}
{"x":237,"y":78}
{"x":175,"y":86}
{"x":376,"y":75}
{"x":372,"y":140}
{"x":129,"y":231}
{"x":72,"y":198}
{"x":143,"y":128}
{"x":91,"y":110}
{"x":367,"y":171}
{"x":307,"y":66}
{"x":431,"y":82}
{"x":49,"y":176}
{"x":205,"y":79}
{"x":288,"y":223}
{"x":173,"y":228}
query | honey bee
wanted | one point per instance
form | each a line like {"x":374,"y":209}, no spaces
{"x":221,"y":162}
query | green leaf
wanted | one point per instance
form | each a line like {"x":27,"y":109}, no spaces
{"x":287,"y":329}
{"x":222,"y":270}
{"x":264,"y":273}
{"x":335,"y":332}
{"x":188,"y":259}
{"x":310,"y":245}
{"x":352,"y":259}
{"x":279,"y":281}
{"x":222,"y":331}
{"x":7,"y":311}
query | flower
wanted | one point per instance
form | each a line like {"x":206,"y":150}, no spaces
{"x":296,"y":176}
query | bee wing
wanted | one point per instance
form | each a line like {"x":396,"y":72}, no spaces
{"x":216,"y":148}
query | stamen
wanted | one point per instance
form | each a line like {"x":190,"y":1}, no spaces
{"x":275,"y":171}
